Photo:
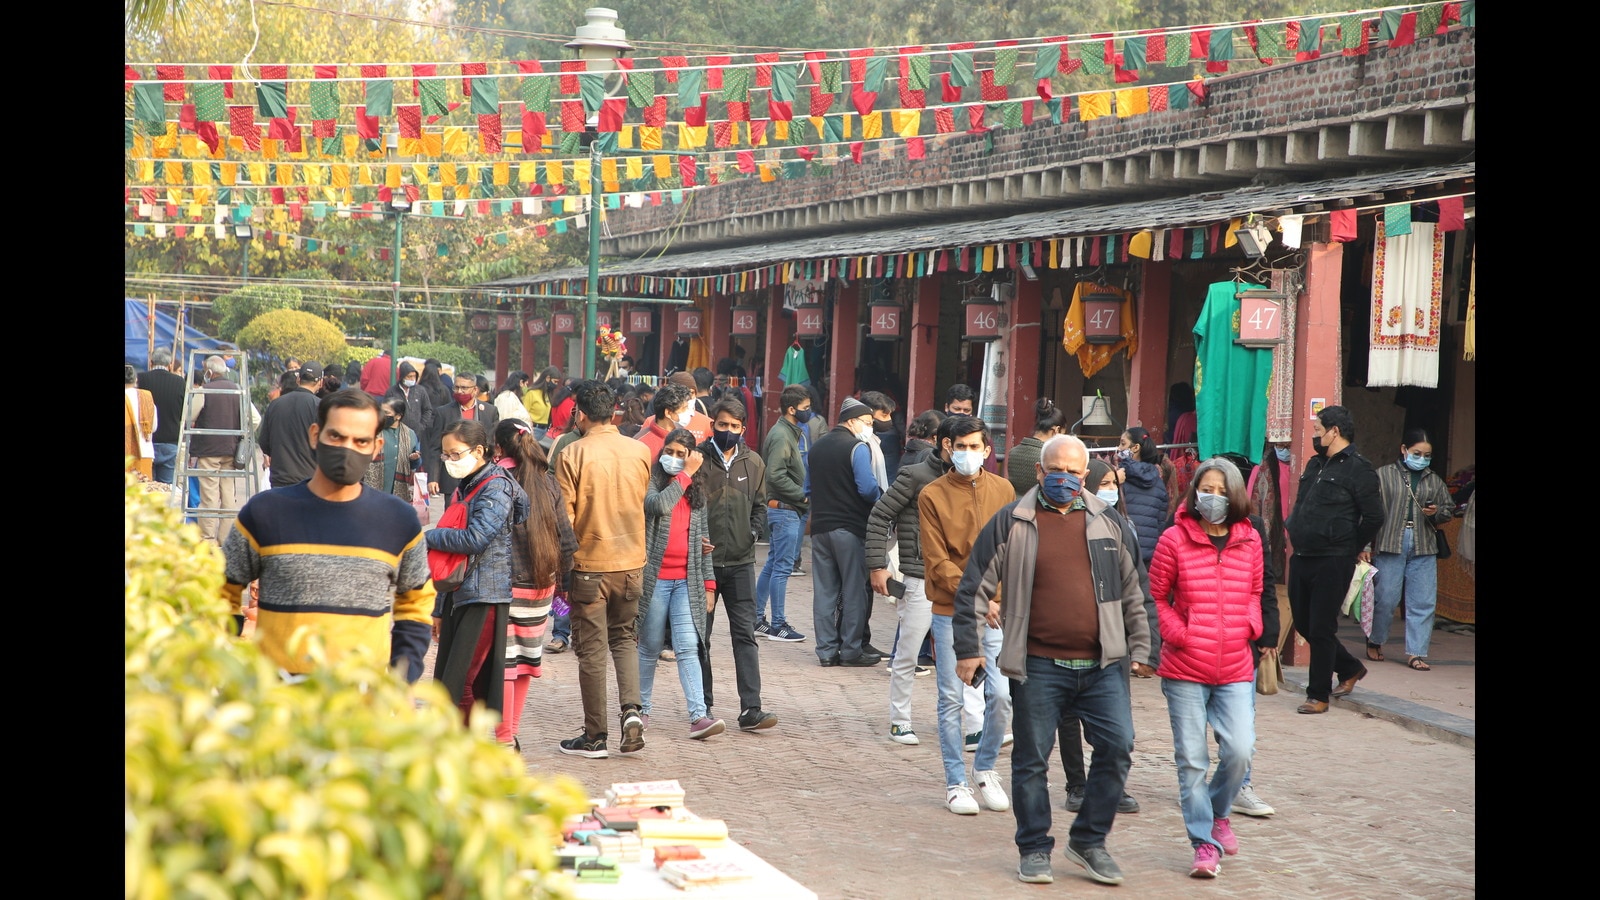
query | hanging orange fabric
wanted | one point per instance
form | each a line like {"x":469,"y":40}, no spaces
{"x":1094,"y":357}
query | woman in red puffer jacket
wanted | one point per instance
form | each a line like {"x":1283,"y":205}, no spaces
{"x":1206,"y":579}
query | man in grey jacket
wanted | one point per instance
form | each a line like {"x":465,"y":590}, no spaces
{"x":1066,"y":567}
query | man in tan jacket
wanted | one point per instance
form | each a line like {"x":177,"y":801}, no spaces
{"x":952,"y":509}
{"x":603,"y":477}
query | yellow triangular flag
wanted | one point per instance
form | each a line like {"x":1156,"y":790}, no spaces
{"x":634,"y":168}
{"x":649,"y":138}
{"x":391,"y":175}
{"x":269,"y":148}
{"x":581,"y":173}
{"x":1133,"y":101}
{"x":766,"y":172}
{"x":1093,"y":106}
{"x":189,"y":146}
{"x":202,"y":173}
{"x":447,"y":173}
{"x":433,"y":144}
{"x":625,"y":137}
{"x":455,"y":141}
{"x":435,"y":191}
{"x":1139,"y":245}
{"x":339,"y":176}
{"x":906,"y":122}
{"x":662,"y":166}
{"x":871,"y":126}
{"x":352,"y":143}
{"x":608,"y":169}
{"x":502,"y":173}
{"x":1232,"y":236}
{"x":258,"y":173}
{"x":229,"y":173}
{"x":555,"y":172}
{"x":780,"y":131}
{"x":527,"y":172}
{"x":691,"y":136}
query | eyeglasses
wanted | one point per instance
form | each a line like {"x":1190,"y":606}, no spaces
{"x":1427,"y":456}
{"x":456,"y":456}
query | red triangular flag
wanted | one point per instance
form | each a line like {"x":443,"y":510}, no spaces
{"x":568,"y":82}
{"x":714,"y":73}
{"x":421,"y":70}
{"x":1406,"y":34}
{"x":409,"y":120}
{"x":975,"y":117}
{"x":655,"y":115}
{"x":529,"y":66}
{"x":571,"y":115}
{"x":948,"y":93}
{"x":469,"y":69}
{"x":373,"y":71}
{"x":758,"y":131}
{"x":1344,"y":225}
{"x":186,"y":117}
{"x":366,"y":126}
{"x":1155,"y":51}
{"x":325,"y":71}
{"x":223,"y":74}
{"x":1452,"y":214}
{"x":814,"y":64}
{"x":915,"y":148}
{"x":490,"y":137}
{"x":611,"y":113}
{"x":208,"y":133}
{"x":282,"y":129}
{"x":722,"y":134}
{"x":944,"y":120}
{"x":764,"y":63}
{"x":130,"y":74}
{"x":858,"y":65}
{"x":274,"y":73}
{"x":780,"y":110}
{"x":747,"y":161}
{"x":820,"y":101}
{"x":173,"y":75}
{"x":695,"y":115}
{"x":738,"y":111}
{"x":687,"y":167}
{"x":805,"y":153}
{"x":856,"y":150}
{"x":1044,"y":89}
{"x":672,"y":64}
{"x":863,"y":100}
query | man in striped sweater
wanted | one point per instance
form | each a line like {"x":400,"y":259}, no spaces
{"x":344,"y":562}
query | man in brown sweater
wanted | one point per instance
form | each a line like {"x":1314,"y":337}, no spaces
{"x":603,"y":478}
{"x":952,"y":509}
{"x":1065,"y":567}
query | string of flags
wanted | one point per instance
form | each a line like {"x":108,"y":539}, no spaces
{"x":761,"y":99}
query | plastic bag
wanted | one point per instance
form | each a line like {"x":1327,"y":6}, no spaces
{"x":1352,"y":596}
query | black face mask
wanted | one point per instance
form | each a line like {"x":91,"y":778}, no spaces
{"x":386,"y":423}
{"x":802,"y":416}
{"x":886,"y":425}
{"x":342,"y":465}
{"x":727,"y":440}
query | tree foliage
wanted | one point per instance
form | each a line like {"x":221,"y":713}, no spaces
{"x":233,"y":311}
{"x":237,"y":784}
{"x":464,"y":359}
{"x":283,"y":333}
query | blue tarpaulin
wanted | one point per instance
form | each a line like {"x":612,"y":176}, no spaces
{"x":136,"y":334}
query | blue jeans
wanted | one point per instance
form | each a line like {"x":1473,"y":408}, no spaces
{"x":670,"y":608}
{"x":562,"y":627}
{"x":1230,"y":711}
{"x":164,"y":467}
{"x":1099,"y":698}
{"x":1418,"y":576}
{"x":782,"y":549}
{"x":996,"y":700}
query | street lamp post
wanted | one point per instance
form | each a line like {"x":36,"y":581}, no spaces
{"x":599,"y":43}
{"x":244,"y":232}
{"x":400,"y":203}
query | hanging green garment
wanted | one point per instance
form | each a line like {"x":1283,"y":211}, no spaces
{"x":794,"y":369}
{"x":1230,"y":381}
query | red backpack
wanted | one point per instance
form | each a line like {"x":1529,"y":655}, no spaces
{"x":448,"y":570}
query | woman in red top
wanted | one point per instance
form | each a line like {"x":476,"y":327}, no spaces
{"x":679,"y":587}
{"x":1206,"y":579}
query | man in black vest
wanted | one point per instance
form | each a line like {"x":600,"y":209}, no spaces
{"x":464,"y":404}
{"x":214,"y":452}
{"x":285,"y":434}
{"x":167,"y":388}
{"x":843,"y":489}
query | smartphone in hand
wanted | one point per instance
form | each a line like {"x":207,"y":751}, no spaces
{"x":897,"y":589}
{"x":979,"y":676}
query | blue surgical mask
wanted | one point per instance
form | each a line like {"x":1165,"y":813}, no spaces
{"x":1283,"y":454}
{"x":1417,"y":462}
{"x":1109,"y":496}
{"x":967,"y":462}
{"x":672,"y":464}
{"x":1060,"y":487}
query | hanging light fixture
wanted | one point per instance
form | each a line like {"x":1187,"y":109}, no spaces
{"x":1254,"y":237}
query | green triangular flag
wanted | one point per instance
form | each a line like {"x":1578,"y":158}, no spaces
{"x":1045,"y":61}
{"x":209,"y":104}
{"x":1005,"y":65}
{"x":784,"y":79}
{"x":1469,"y":13}
{"x":502,"y":238}
{"x":1270,"y":43}
{"x":330,"y":146}
{"x":1133,"y":54}
{"x":1388,"y":24}
{"x":1397,"y":220}
{"x":1350,"y":32}
{"x":1011,"y":114}
{"x":1178,"y":50}
{"x":436,"y":207}
{"x":735,"y":84}
{"x":127,"y":134}
{"x":442,"y":250}
{"x":830,"y":76}
{"x":832,"y":129}
{"x":148,"y":107}
{"x":324,"y":99}
{"x":794,"y":169}
{"x":138,"y":227}
{"x":380,"y":97}
{"x":1428,"y":19}
{"x":319,"y":209}
{"x":272,"y":99}
{"x":1055,"y":111}
{"x":535,"y":93}
{"x":1221,"y":45}
{"x":433,"y":97}
{"x":1178,"y":96}
{"x":485,"y":96}
{"x":607,"y":141}
{"x":571,"y":143}
{"x":592,"y":87}
{"x":877,"y":70}
{"x":920,"y":72}
{"x":641,"y":89}
{"x":613,"y":201}
{"x":1094,"y":58}
{"x":1310,"y":36}
{"x":961,"y":68}
{"x":690,"y":82}
{"x":561,"y":226}
{"x":799,"y":131}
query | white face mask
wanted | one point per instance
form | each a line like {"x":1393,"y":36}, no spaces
{"x":461,"y":468}
{"x":671,"y":464}
{"x":685,"y":416}
{"x":967,"y":462}
{"x":411,"y":382}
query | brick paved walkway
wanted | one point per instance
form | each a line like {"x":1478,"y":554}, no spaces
{"x":1365,"y":807}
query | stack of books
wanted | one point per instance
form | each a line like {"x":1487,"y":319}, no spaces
{"x":620,"y":847}
{"x":689,"y":874}
{"x":694,"y":833}
{"x":646,"y":793}
{"x":626,"y":818}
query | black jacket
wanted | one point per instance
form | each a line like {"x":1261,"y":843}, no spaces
{"x":735,"y":496}
{"x":1339,"y":508}
{"x":167,"y":389}
{"x":897,"y":509}
{"x":285,"y":436}
{"x":835,"y":503}
{"x":221,"y":411}
{"x":916,"y":451}
{"x":892,"y":443}
{"x":419,"y":416}
{"x":443,"y":417}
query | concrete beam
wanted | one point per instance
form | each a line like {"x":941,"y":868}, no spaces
{"x":1186,"y":164}
{"x":1159,"y":167}
{"x":1442,"y":128}
{"x":1367,"y":139}
{"x":1469,"y":125}
{"x":1403,"y":134}
{"x":1333,"y":143}
{"x":1135,"y":171}
{"x":1239,"y":157}
{"x":1089,"y":177}
{"x":1213,"y":160}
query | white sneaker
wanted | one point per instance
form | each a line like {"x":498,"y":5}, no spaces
{"x":902,"y":734}
{"x":989,"y":788}
{"x":1249,"y":804}
{"x":959,"y":801}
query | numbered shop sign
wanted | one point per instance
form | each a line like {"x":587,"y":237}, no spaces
{"x":1260,"y":319}
{"x":482,"y":322}
{"x":505,"y":321}
{"x":603,"y":320}
{"x":983,"y":321}
{"x":690,"y":322}
{"x":1102,"y":318}
{"x":744,"y":320}
{"x":884,"y":322}
{"x":808,"y":322}
{"x":566,"y":322}
{"x":538,"y":327}
{"x":639,"y":321}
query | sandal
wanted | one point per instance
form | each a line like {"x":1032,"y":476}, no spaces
{"x":1418,"y":663}
{"x":1374,"y":652}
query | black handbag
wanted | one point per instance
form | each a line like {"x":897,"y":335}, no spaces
{"x":1444,"y":545}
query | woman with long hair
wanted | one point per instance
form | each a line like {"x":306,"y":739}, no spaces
{"x":679,"y":587}
{"x":632,"y":416}
{"x":1048,"y":421}
{"x":541,"y":559}
{"x":474,"y":616}
{"x":538,"y":399}
{"x":1206,"y":577}
{"x":508,"y":400}
{"x":920,"y":437}
{"x":1270,"y":501}
{"x":1415,"y":503}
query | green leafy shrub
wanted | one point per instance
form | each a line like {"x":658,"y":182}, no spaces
{"x":283,"y":333}
{"x":240,"y":785}
{"x":359,"y":354}
{"x":464,"y":359}
{"x":239,"y":308}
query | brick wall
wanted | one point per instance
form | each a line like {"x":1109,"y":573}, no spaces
{"x":1279,"y":99}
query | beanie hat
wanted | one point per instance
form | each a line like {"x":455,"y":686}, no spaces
{"x":683,"y":378}
{"x":853,"y":409}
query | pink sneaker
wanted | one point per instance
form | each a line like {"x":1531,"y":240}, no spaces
{"x":1222,"y":833}
{"x":1207,"y":862}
